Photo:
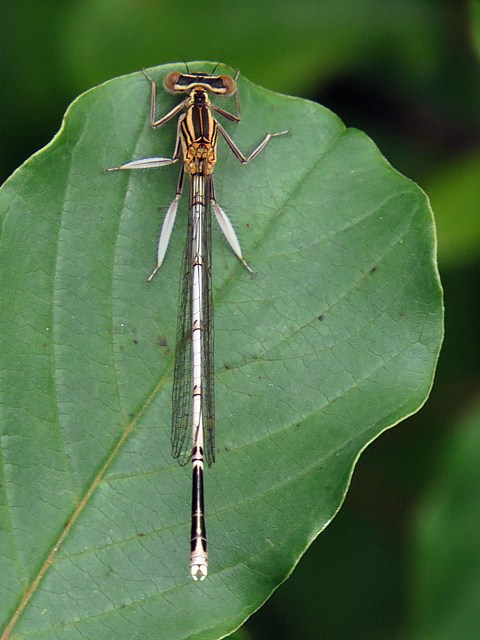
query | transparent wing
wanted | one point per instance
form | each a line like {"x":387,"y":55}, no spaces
{"x":182,"y":375}
{"x":208,"y":351}
{"x":182,"y":378}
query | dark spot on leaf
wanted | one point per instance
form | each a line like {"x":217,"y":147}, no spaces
{"x":321,"y":317}
{"x":135,"y":341}
{"x":373,"y":269}
{"x":162,"y":341}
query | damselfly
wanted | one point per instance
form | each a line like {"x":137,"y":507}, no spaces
{"x":193,"y":383}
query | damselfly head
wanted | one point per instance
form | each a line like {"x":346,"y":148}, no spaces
{"x":176,"y":82}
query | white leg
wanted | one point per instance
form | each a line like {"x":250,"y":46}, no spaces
{"x":167,"y":226}
{"x":165,"y":234}
{"x":145,"y":163}
{"x":228,"y":231}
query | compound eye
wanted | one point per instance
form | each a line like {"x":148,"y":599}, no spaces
{"x":171,"y":80}
{"x":230,"y":85}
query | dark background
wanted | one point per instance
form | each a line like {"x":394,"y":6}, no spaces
{"x":407,"y":73}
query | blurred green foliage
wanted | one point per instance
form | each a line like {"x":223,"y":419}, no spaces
{"x":445,"y":594}
{"x":405,"y":71}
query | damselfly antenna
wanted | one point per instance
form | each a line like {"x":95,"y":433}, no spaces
{"x":216,"y":66}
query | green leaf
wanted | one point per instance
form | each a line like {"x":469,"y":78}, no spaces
{"x":446,"y":581}
{"x":333,"y":340}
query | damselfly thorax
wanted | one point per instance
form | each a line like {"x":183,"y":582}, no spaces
{"x":198,"y":134}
